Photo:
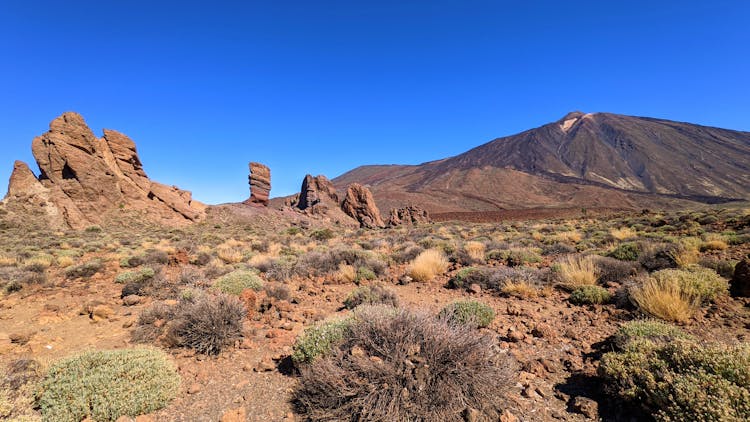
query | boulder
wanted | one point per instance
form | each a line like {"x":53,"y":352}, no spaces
{"x":739,"y":286}
{"x":409,"y":215}
{"x":260,"y":184}
{"x":360,"y":205}
{"x":83,"y":179}
{"x":317,"y":195}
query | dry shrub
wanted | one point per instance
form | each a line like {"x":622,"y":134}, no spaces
{"x":521,"y":289}
{"x":623,"y":233}
{"x":397,"y":365}
{"x":475,"y":250}
{"x":7,"y":261}
{"x":206,"y":324}
{"x":428,"y":265}
{"x":230,"y":255}
{"x":371,"y":295}
{"x":577,"y":271}
{"x":664,"y":298}
{"x":685,"y":257}
{"x":346,"y":273}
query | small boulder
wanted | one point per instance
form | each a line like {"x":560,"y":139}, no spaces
{"x":739,"y":286}
{"x":410,"y":215}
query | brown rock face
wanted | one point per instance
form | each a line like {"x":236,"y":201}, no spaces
{"x":739,"y":286}
{"x":317,"y":195}
{"x":410,"y":215}
{"x":260,"y":184}
{"x":360,"y":205}
{"x":85,"y":178}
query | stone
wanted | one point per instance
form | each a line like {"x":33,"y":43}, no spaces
{"x":131,"y":300}
{"x":317,"y":195}
{"x":234,"y":415}
{"x":260,"y":184}
{"x":250,"y":299}
{"x":739,"y":286}
{"x":194,"y":388}
{"x":410,"y":215}
{"x":475,"y":288}
{"x":84,"y":180}
{"x":508,"y":417}
{"x":360,"y":205}
{"x":586,"y":407}
{"x":471,"y":415}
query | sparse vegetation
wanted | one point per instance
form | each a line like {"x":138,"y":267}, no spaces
{"x":590,"y":295}
{"x":237,"y":281}
{"x":427,"y":265}
{"x":577,"y":271}
{"x":371,"y":295}
{"x":469,"y":312}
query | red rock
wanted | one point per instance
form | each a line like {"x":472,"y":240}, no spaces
{"x":260,"y":184}
{"x":85,"y":179}
{"x":739,"y":286}
{"x":409,"y":215}
{"x":317,"y":195}
{"x":360,"y":205}
{"x":234,"y":415}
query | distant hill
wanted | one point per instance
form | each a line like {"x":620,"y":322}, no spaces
{"x":582,"y":160}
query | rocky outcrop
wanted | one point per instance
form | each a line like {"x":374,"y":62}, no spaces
{"x":410,"y":215}
{"x":360,"y":205}
{"x":260,"y":184}
{"x":317,"y":195}
{"x":83,"y":179}
{"x":739,"y":286}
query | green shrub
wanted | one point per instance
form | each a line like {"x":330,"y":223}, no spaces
{"x":682,"y":380}
{"x":85,"y":270}
{"x":237,"y":281}
{"x":371,"y":295}
{"x":647,"y":329}
{"x":588,"y":295}
{"x":625,"y":252}
{"x":140,"y":276}
{"x":702,"y":283}
{"x":364,"y":273}
{"x":465,"y":277}
{"x":322,"y":234}
{"x":319,"y":340}
{"x":104,"y":385}
{"x":469,"y":312}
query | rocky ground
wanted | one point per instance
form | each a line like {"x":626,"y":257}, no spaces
{"x":556,"y":344}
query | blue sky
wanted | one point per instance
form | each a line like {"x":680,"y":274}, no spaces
{"x":324,"y":86}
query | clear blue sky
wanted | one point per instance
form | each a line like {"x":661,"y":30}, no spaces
{"x":325,"y":86}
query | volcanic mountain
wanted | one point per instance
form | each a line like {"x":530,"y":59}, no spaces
{"x":582,"y":160}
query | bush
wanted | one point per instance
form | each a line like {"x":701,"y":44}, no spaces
{"x":656,"y":257}
{"x":104,"y":385}
{"x":589,"y":295}
{"x":322,"y":234}
{"x":206,"y":323}
{"x":85,"y":270}
{"x":140,"y":276}
{"x":210,"y":323}
{"x":465,"y":277}
{"x":371,"y":295}
{"x":237,"y":281}
{"x":319,"y":340}
{"x":611,"y":270}
{"x":663,"y":297}
{"x":469,"y":312}
{"x":702,"y":283}
{"x":625,"y":252}
{"x":681,"y":380}
{"x":428,"y":265}
{"x":577,"y":271}
{"x":647,"y":329}
{"x":396,"y":366}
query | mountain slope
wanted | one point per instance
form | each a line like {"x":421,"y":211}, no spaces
{"x":590,"y":160}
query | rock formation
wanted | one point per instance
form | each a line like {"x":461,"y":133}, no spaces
{"x":317,"y":195}
{"x":739,"y":286}
{"x":410,"y":215}
{"x":260,"y":184}
{"x":360,"y":205}
{"x":84,"y":179}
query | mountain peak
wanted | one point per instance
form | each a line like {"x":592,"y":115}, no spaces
{"x":572,"y":115}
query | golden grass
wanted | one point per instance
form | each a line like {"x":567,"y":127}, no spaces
{"x":572,"y":236}
{"x":230,"y":255}
{"x":346,"y":273}
{"x":475,"y":250}
{"x":520,"y":289}
{"x":45,"y":261}
{"x":663,"y":298}
{"x":577,"y":271}
{"x":428,"y":265}
{"x":7,"y":261}
{"x":686,"y":257}
{"x":714,"y":242}
{"x":259,"y":259}
{"x":66,"y":261}
{"x":623,"y":233}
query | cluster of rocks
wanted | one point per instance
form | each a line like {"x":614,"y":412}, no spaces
{"x":84,"y":178}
